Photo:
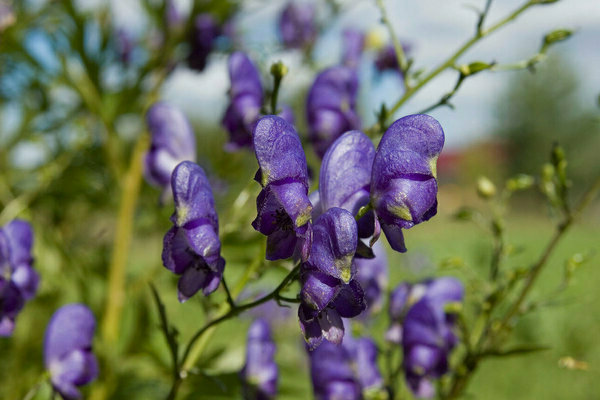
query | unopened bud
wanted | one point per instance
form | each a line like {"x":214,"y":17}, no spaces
{"x":485,"y":188}
{"x":279,"y":70}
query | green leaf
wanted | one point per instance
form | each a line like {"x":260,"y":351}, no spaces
{"x":516,"y":351}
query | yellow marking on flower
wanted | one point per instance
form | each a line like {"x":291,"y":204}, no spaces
{"x":304,"y":217}
{"x":343,"y":265}
{"x":264,"y":176}
{"x":433,"y":166}
{"x":400,"y":211}
{"x":182,"y":213}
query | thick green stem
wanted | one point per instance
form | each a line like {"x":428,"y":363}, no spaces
{"x":124,"y":232}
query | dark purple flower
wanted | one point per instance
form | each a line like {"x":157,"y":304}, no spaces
{"x":386,"y":58}
{"x":246,"y":97}
{"x":330,"y":106}
{"x":403,"y":182}
{"x":428,"y":334}
{"x":284,"y":210}
{"x":205,"y":31}
{"x":259,"y":374}
{"x":332,"y":374}
{"x":347,"y":371}
{"x":354,"y":44}
{"x":68,"y":349}
{"x":400,"y":300}
{"x":173,"y":141}
{"x":297,"y":25}
{"x":191,"y":248}
{"x":328,"y":290}
{"x":125,"y":45}
{"x":345,"y":177}
{"x":18,"y":279}
{"x":372,"y":274}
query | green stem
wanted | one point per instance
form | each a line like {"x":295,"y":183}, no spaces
{"x":558,"y":234}
{"x":124,"y":232}
{"x":402,"y":62}
{"x":452,"y":59}
{"x":189,"y":357}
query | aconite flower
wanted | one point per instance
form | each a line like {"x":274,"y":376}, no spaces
{"x":18,"y":279}
{"x":68,"y":352}
{"x":403,"y":181}
{"x":172,"y":142}
{"x":259,"y":375}
{"x":283,"y":208}
{"x":191,"y":248}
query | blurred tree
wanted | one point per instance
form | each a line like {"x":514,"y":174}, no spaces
{"x":538,"y":109}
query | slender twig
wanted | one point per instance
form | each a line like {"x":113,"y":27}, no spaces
{"x":402,"y":62}
{"x":168,"y":332}
{"x":232,"y":312}
{"x":450,"y":61}
{"x":558,"y":234}
{"x":228,"y":293}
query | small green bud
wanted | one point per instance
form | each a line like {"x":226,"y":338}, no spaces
{"x":474,"y":67}
{"x":485,"y":188}
{"x":557,"y":36}
{"x":519,"y":182}
{"x":279,"y":70}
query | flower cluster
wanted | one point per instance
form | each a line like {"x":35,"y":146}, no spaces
{"x":172,"y":142}
{"x":259,"y":375}
{"x":421,"y":323}
{"x":18,"y":279}
{"x":246,"y":99}
{"x":348,"y":371}
{"x":68,"y":349}
{"x":191,"y":248}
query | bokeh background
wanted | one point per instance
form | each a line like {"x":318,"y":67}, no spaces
{"x":72,"y":115}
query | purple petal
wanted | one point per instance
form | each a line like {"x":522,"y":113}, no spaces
{"x":204,"y":33}
{"x":279,"y":152}
{"x":19,"y":236}
{"x":395,"y":237}
{"x":297,"y":25}
{"x":193,"y":197}
{"x":318,"y":289}
{"x":70,"y":329}
{"x":366,"y":363}
{"x":26,"y":279}
{"x":346,"y":172}
{"x":350,"y":300}
{"x":331,"y":325}
{"x":334,"y":243}
{"x":354,"y":43}
{"x":260,"y":371}
{"x":173,"y":141}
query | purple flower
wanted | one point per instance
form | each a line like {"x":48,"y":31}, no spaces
{"x":330,"y":106}
{"x":191,"y":248}
{"x":246,"y":97}
{"x":347,"y":371}
{"x":386,"y":58}
{"x":205,"y":31}
{"x":18,"y":279}
{"x":329,"y":291}
{"x":259,"y":374}
{"x":345,"y":177}
{"x":428,"y":332}
{"x":283,"y":206}
{"x":354,"y":44}
{"x":173,"y":141}
{"x":403,"y":182}
{"x":68,"y":349}
{"x":372,"y":274}
{"x":297,"y":25}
